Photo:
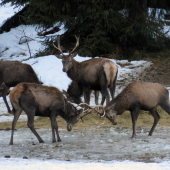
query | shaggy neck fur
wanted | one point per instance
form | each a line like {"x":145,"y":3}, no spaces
{"x":67,"y":109}
{"x":74,"y":72}
{"x":120,"y":104}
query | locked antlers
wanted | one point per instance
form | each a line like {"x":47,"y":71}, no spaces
{"x":92,"y":109}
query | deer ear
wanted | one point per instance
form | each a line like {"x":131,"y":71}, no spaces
{"x":65,"y":93}
{"x":59,"y":56}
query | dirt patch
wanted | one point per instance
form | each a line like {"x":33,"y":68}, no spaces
{"x":158,"y":72}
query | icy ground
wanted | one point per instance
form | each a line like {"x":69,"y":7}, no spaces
{"x":95,"y":148}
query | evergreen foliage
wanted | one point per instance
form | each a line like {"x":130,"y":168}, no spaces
{"x":16,"y":20}
{"x":104,"y":26}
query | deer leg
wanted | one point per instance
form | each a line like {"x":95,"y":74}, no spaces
{"x":54,"y":127}
{"x":87,"y":96}
{"x":103,"y":99}
{"x":112,"y":87}
{"x":112,"y":91}
{"x":105,"y":95}
{"x":30,"y":124}
{"x":28,"y":104}
{"x":156,"y":117}
{"x":87,"y":93}
{"x":4,"y":94}
{"x":16,"y":116}
{"x":134,"y":117}
{"x":96,"y":96}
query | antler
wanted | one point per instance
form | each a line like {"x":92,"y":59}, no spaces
{"x":58,"y":48}
{"x":90,"y":111}
{"x":77,"y":44}
{"x":87,"y":111}
{"x":103,"y":110}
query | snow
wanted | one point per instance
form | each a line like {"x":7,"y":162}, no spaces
{"x":15,"y":163}
{"x":49,"y":70}
{"x":6,"y":12}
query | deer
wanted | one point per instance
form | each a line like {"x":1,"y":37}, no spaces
{"x":75,"y":92}
{"x":12,"y":73}
{"x":40,"y":100}
{"x":97,"y":74}
{"x":138,"y":96}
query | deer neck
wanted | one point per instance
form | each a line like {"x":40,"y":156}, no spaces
{"x":74,"y":72}
{"x":66,"y":108}
{"x":120,"y":104}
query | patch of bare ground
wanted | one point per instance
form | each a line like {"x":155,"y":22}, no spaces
{"x":159,"y":71}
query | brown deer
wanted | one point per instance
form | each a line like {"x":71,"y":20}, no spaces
{"x":138,"y":96}
{"x":14,"y":72}
{"x":38,"y":100}
{"x":75,"y":92}
{"x":97,"y":74}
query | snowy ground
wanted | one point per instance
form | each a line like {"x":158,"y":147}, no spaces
{"x":97,"y":148}
{"x":49,"y":69}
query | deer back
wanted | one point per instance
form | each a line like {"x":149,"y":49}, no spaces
{"x":14,"y":72}
{"x":147,"y":94}
{"x":44,"y":98}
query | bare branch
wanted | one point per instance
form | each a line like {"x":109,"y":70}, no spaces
{"x":27,"y":43}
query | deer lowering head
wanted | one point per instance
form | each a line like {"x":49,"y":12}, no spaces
{"x":67,"y":59}
{"x":47,"y":101}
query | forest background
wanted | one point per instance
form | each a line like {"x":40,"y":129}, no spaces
{"x":132,"y":29}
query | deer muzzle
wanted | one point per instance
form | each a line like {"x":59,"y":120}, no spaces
{"x":69,"y":127}
{"x":113,"y":119}
{"x":65,"y":69}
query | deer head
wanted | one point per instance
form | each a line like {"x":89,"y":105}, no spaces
{"x":67,"y":60}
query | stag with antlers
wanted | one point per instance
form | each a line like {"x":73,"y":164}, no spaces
{"x":94,"y":74}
